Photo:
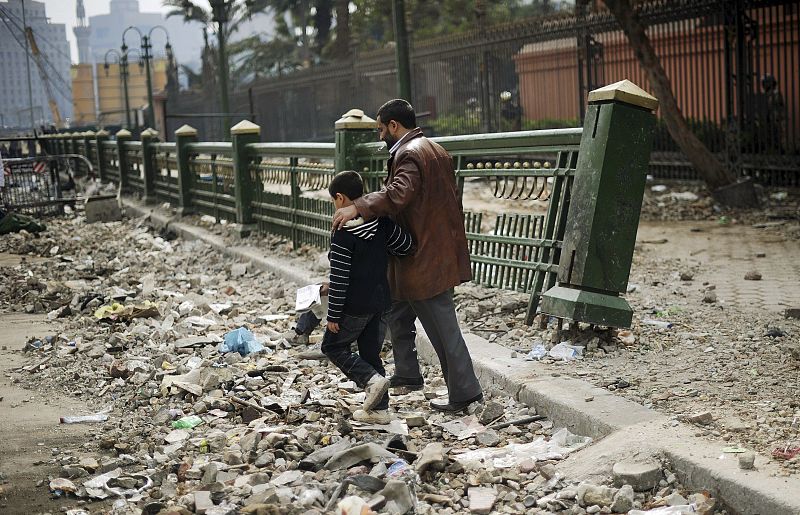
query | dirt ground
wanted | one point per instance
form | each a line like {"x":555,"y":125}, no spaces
{"x":29,"y":422}
{"x":730,"y":351}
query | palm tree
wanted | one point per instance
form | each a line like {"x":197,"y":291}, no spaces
{"x":225,"y":17}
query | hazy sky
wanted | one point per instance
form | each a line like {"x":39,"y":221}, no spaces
{"x":63,"y":11}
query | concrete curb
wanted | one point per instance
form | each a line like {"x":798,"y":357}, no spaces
{"x":625,"y":427}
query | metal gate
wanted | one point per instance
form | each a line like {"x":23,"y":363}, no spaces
{"x":33,"y":185}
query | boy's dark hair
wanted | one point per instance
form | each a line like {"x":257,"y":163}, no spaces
{"x":400,"y":111}
{"x":348,"y":183}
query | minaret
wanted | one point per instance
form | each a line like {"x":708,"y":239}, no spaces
{"x":82,"y":32}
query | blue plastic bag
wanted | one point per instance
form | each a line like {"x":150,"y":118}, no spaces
{"x":240,"y":340}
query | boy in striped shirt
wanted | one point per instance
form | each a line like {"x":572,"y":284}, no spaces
{"x":359,"y":294}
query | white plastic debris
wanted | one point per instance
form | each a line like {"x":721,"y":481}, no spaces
{"x":561,"y":444}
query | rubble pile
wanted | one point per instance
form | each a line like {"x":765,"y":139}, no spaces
{"x":682,"y":355}
{"x":184,"y":427}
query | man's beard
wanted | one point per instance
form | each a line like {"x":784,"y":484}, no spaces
{"x":389,"y":140}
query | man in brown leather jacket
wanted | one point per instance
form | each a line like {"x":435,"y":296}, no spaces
{"x":421,"y":195}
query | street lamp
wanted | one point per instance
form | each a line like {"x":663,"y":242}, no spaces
{"x":145,"y":46}
{"x":122,"y":60}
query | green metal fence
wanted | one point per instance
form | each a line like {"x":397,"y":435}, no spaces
{"x":212,"y":187}
{"x":134,"y":169}
{"x":518,"y":250}
{"x":110,"y":158}
{"x":165,"y":172}
{"x":515,"y":237}
{"x":521,"y":250}
{"x":283,"y":175}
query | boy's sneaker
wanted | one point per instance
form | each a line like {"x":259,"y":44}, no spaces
{"x":376,"y":388}
{"x":372,"y":417}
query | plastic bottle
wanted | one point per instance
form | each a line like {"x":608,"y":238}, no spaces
{"x":84,"y":419}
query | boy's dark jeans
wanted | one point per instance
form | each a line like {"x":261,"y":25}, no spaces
{"x":306,"y":324}
{"x":368,"y":331}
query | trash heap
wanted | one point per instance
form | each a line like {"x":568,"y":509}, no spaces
{"x":203,"y":404}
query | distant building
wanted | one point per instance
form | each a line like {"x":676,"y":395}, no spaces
{"x":100,"y":99}
{"x":51,"y":39}
{"x":82,"y":33}
{"x":106,"y":32}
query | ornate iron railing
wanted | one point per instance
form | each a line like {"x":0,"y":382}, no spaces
{"x":212,"y":185}
{"x":165,"y":176}
{"x":284,"y":176}
{"x":134,"y":168}
{"x":110,"y":158}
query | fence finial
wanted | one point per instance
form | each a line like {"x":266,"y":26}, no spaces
{"x":186,"y":130}
{"x":355,"y":119}
{"x":627,"y":92}
{"x":149,"y":133}
{"x":245,"y":127}
{"x":125,"y":133}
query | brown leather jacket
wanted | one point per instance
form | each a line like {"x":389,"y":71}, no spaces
{"x":420,"y":193}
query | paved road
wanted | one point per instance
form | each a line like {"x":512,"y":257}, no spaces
{"x":724,"y":254}
{"x":29,"y":421}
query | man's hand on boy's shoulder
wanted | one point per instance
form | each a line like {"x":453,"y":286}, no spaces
{"x":344,"y":215}
{"x":333,"y":326}
{"x":324,"y":288}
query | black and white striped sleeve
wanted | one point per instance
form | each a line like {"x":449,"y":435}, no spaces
{"x":340,"y":256}
{"x":399,"y":242}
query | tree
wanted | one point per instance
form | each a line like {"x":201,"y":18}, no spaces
{"x":340,"y":47}
{"x":236,"y":14}
{"x":713,"y":172}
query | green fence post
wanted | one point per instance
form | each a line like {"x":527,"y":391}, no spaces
{"x":73,"y":142}
{"x":243,"y":134}
{"x":184,"y":136}
{"x":604,"y":211}
{"x":73,"y":145}
{"x":123,"y":135}
{"x":100,"y":138}
{"x":44,"y":143}
{"x":352,"y":129}
{"x":87,"y":138}
{"x":148,"y":136}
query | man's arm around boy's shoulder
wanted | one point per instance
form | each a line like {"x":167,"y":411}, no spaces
{"x":399,"y":242}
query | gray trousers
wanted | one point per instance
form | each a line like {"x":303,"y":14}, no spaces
{"x":438,"y":317}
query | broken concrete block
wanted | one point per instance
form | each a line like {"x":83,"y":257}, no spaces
{"x":642,"y":476}
{"x":481,"y":499}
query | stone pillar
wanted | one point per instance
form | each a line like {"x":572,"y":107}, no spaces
{"x":243,"y":134}
{"x":352,"y":129}
{"x":183,"y":137}
{"x":149,"y":136}
{"x":604,"y":208}
{"x":100,"y":138}
{"x":122,"y":159}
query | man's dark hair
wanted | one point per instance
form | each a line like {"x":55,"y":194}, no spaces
{"x":400,"y":111}
{"x":348,"y":183}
